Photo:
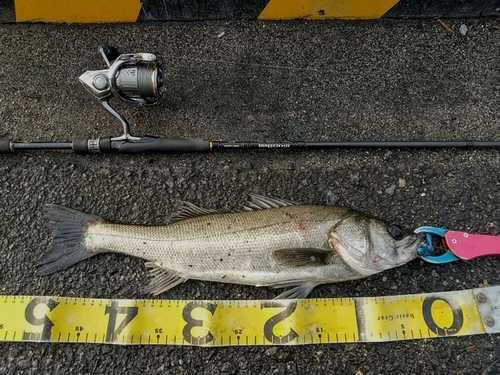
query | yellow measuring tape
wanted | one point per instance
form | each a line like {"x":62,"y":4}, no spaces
{"x":231,"y":323}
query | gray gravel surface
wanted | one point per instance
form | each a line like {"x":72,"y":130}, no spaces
{"x":380,"y":80}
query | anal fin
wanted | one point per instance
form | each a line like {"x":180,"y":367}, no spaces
{"x":162,"y":279}
{"x":297,"y":292}
{"x":296,"y":289}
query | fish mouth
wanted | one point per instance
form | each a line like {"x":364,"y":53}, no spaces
{"x":410,"y":251}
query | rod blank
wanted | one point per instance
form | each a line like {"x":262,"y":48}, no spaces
{"x":147,"y":144}
{"x":41,"y":145}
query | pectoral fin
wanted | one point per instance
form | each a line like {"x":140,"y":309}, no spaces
{"x":303,"y":257}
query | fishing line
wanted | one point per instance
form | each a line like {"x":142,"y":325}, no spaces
{"x":489,"y":367}
{"x":349,"y":72}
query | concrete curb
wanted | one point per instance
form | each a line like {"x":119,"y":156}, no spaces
{"x":105,"y":11}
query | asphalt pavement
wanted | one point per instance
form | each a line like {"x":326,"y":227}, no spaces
{"x":249,"y":80}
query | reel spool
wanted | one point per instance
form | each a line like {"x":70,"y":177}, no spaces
{"x":133,"y":77}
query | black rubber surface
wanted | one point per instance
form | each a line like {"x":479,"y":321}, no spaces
{"x":5,"y":146}
{"x":164,"y":145}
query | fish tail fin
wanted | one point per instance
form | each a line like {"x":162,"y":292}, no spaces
{"x":68,"y":245}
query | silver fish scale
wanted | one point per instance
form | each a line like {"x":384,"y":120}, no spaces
{"x":231,"y":247}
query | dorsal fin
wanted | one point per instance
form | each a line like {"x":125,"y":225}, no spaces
{"x":258,"y":202}
{"x":189,"y":210}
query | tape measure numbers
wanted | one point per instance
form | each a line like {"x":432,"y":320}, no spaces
{"x":231,"y":323}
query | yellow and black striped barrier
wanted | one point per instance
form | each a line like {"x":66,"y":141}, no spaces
{"x":237,"y":323}
{"x":92,"y":11}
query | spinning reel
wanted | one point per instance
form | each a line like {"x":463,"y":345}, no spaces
{"x":133,"y":77}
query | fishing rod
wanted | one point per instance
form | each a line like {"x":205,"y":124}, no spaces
{"x":138,"y":78}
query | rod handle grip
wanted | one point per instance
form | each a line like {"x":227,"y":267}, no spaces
{"x":5,"y":146}
{"x":151,"y":145}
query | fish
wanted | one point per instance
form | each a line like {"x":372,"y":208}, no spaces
{"x":269,"y":243}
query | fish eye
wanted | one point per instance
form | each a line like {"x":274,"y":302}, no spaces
{"x":396,"y":232}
